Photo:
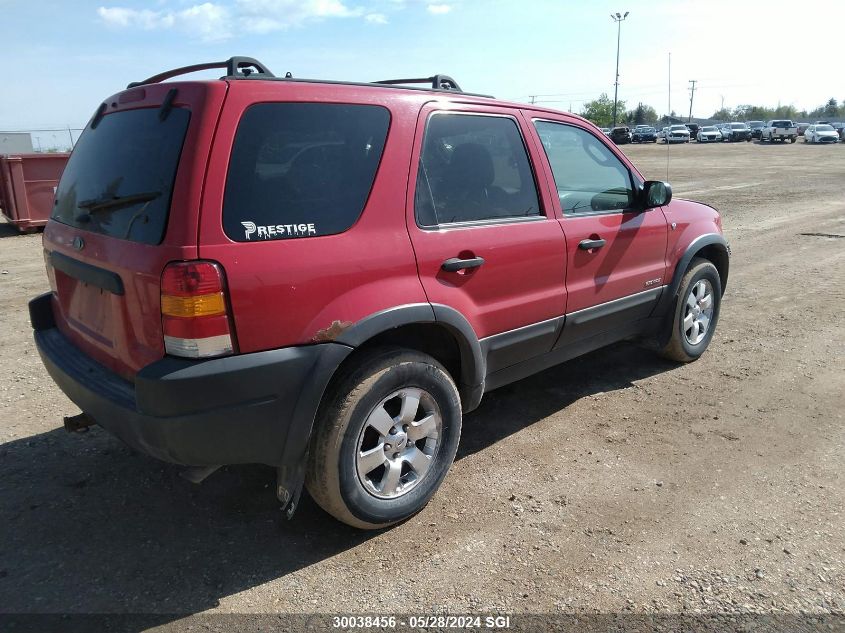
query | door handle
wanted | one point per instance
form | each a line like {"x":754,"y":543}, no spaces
{"x":454,"y":264}
{"x":586,"y":245}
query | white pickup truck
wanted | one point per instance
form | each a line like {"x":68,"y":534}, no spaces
{"x":779,"y":130}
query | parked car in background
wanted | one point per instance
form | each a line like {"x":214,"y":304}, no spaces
{"x":693,"y":129}
{"x":605,"y":131}
{"x":802,"y":127}
{"x":620,"y":135}
{"x":708,"y":134}
{"x":779,"y":130}
{"x":676,"y":134}
{"x":646,"y":134}
{"x":736,"y":132}
{"x":821,"y":133}
{"x":756,"y":128}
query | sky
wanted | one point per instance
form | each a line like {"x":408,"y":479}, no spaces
{"x":63,"y":57}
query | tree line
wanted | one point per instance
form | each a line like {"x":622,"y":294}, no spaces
{"x":600,"y":112}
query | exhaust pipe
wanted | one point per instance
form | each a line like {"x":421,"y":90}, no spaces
{"x":78,"y":423}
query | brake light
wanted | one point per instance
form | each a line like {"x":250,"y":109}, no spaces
{"x":194,"y":311}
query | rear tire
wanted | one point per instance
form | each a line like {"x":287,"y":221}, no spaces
{"x":384,"y":438}
{"x":695,"y":313}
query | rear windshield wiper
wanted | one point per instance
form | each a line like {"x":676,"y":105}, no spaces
{"x":116,"y":202}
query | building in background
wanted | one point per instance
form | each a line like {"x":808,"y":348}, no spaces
{"x":15,"y":143}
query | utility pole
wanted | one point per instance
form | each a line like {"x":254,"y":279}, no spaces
{"x":691,"y":95}
{"x":532,"y":97}
{"x":618,"y":18}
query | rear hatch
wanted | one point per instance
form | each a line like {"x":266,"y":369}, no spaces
{"x":127,"y":204}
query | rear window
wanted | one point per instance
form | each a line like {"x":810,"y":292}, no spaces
{"x":119,"y":179}
{"x":781,"y":123}
{"x":302,"y":169}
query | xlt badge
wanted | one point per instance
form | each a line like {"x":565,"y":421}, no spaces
{"x":652,"y":282}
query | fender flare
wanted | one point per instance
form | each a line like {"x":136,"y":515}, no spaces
{"x":291,"y":472}
{"x":472,"y":358}
{"x":709,"y":239}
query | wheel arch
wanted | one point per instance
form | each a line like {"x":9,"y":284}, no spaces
{"x":712,"y":247}
{"x":437,"y":330}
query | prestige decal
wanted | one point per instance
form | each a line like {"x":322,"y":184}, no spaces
{"x":277,"y":230}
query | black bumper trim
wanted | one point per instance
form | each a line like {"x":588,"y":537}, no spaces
{"x":254,"y":404}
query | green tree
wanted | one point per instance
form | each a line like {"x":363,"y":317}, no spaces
{"x":641,"y":114}
{"x":785,"y":112}
{"x":722,"y":114}
{"x":600,"y":111}
{"x":831,"y":108}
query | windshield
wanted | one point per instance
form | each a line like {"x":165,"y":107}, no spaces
{"x":738,"y":126}
{"x":709,"y":128}
{"x":755,"y":124}
{"x":647,"y":130}
{"x":120,"y":176}
{"x":679,"y":128}
{"x":824,"y":128}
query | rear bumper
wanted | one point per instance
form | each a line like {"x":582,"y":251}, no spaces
{"x":250,"y":408}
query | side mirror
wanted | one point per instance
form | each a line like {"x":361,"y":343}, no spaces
{"x":656,"y":193}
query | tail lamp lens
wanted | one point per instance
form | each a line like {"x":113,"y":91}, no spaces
{"x":194,"y":312}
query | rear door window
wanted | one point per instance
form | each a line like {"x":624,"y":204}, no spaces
{"x":302,"y":169}
{"x":473,"y":168}
{"x":119,"y":179}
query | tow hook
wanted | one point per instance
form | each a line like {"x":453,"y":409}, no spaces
{"x":78,"y":423}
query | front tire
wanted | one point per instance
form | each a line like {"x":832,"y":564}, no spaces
{"x":384,"y":438}
{"x":695,"y":313}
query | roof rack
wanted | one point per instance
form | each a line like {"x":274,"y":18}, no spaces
{"x":236,"y":67}
{"x":437,"y":82}
{"x":249,"y":68}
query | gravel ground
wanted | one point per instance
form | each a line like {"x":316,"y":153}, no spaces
{"x":616,"y":483}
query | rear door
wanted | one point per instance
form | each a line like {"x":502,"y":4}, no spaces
{"x":616,"y":253}
{"x":486,"y":241}
{"x":127,"y":204}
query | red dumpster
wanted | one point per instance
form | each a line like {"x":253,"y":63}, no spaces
{"x":27,"y":185}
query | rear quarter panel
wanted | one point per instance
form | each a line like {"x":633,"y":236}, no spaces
{"x":306,"y":290}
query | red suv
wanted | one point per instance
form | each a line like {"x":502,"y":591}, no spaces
{"x":325,"y":276}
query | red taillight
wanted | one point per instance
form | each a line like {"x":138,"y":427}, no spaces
{"x":194,"y":310}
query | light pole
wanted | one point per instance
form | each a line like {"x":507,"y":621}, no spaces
{"x":618,"y":18}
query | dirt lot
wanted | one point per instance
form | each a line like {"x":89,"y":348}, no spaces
{"x":614,"y":483}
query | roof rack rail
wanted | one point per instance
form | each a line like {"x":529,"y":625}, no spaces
{"x":240,"y":67}
{"x":437,"y":82}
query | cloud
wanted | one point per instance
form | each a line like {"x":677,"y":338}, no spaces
{"x":439,"y":9}
{"x":265,"y":16}
{"x":376,"y":18}
{"x":220,"y":20}
{"x":144,"y":18}
{"x":208,"y":21}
